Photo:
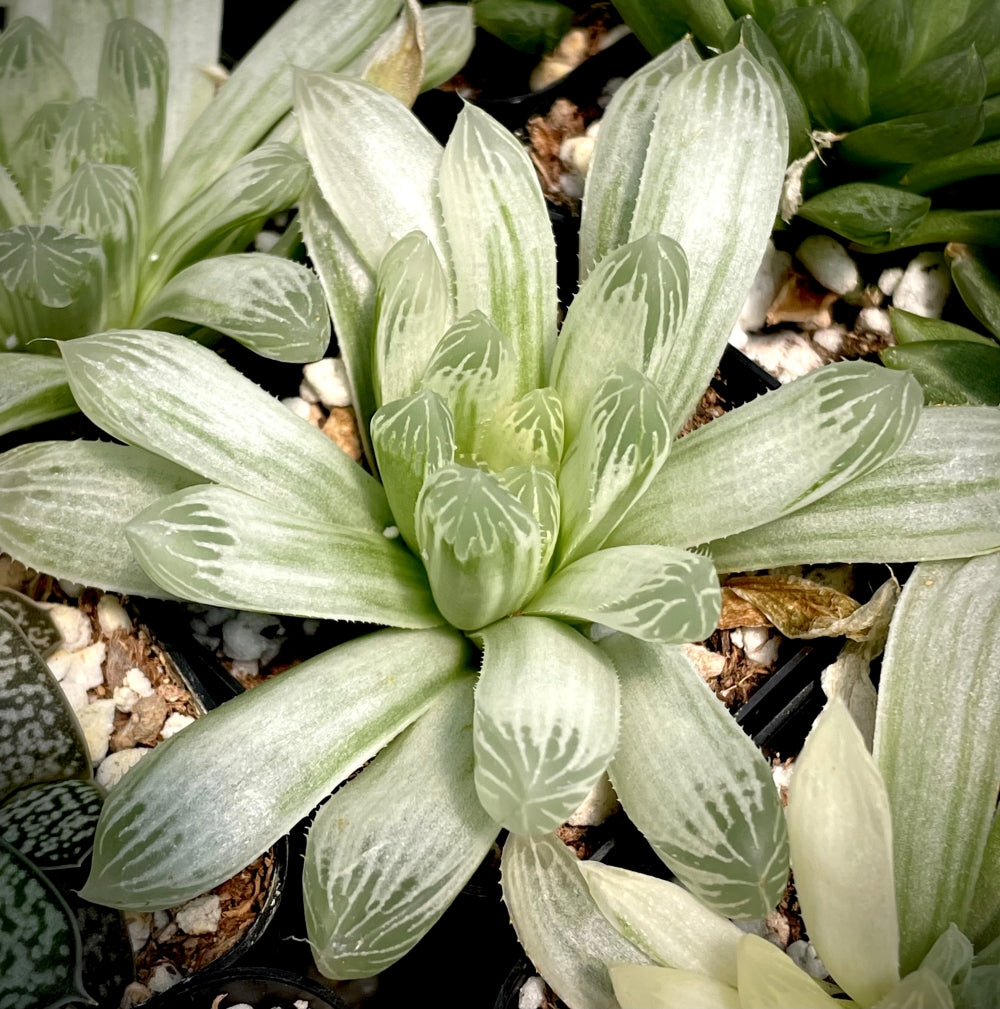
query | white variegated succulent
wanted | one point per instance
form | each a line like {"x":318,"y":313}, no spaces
{"x":531,"y":488}
{"x":896,"y":854}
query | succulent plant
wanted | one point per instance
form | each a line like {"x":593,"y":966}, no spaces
{"x":128,"y":193}
{"x":533,"y":496}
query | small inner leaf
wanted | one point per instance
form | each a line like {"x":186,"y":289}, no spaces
{"x":52,"y":823}
{"x":528,"y":431}
{"x":34,"y":620}
{"x":46,"y":264}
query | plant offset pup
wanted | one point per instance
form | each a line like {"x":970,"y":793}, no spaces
{"x":531,"y":487}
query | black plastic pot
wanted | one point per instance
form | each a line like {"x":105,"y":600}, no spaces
{"x":262,"y":988}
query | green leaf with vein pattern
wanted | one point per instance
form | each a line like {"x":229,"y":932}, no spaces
{"x":536,"y":488}
{"x":13,"y":209}
{"x":88,"y":134}
{"x":29,"y":159}
{"x":34,"y":619}
{"x":530,"y":431}
{"x":34,"y":389}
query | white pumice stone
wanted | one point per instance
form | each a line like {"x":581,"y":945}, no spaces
{"x":925,"y":285}
{"x":72,"y":589}
{"x":124,"y":698}
{"x":199,"y":916}
{"x":137,"y":680}
{"x":575,"y":153}
{"x":97,"y":720}
{"x":759,"y":646}
{"x":307,"y":393}
{"x":532,"y":994}
{"x":571,"y":184}
{"x":164,"y":977}
{"x":805,"y":956}
{"x":11,"y":342}
{"x":76,"y":694}
{"x":830,"y":339}
{"x":781,"y":774}
{"x":138,"y":924}
{"x":265,"y":241}
{"x":298,"y":406}
{"x":873,"y":320}
{"x":829,"y":262}
{"x":328,"y":379}
{"x":888,"y":279}
{"x":174,"y":723}
{"x":242,"y":637}
{"x":160,"y":920}
{"x":111,"y":615}
{"x":84,"y":665}
{"x":244,"y":668}
{"x":112,"y":768}
{"x":771,"y":274}
{"x":786,"y":355}
{"x":600,"y":803}
{"x":73,"y":625}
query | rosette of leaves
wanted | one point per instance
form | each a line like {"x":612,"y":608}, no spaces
{"x":533,"y":492}
{"x":48,"y":813}
{"x":896,"y":853}
{"x":128,"y":193}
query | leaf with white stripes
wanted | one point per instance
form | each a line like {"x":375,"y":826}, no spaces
{"x":558,"y":923}
{"x":694,"y":784}
{"x":937,"y":497}
{"x":546,"y":722}
{"x":64,"y":506}
{"x":651,"y":592}
{"x":536,"y":488}
{"x":34,"y":619}
{"x":42,"y":739}
{"x":218,"y":546}
{"x":622,"y":443}
{"x":530,"y":431}
{"x":412,"y":312}
{"x":28,"y":159}
{"x":271,"y":305}
{"x":368,"y":898}
{"x":195,"y":831}
{"x":89,"y":133}
{"x":33,"y":389}
{"x":810,"y":437}
{"x":148,"y":389}
{"x":628,"y":309}
{"x":13,"y":209}
{"x":500,"y":238}
{"x":480,"y":546}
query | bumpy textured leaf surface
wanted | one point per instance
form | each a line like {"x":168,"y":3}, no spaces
{"x":39,"y":940}
{"x":368,"y":898}
{"x":546,"y":722}
{"x":42,"y":739}
{"x":33,"y":619}
{"x":52,"y":824}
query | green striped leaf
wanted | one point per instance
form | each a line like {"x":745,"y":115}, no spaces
{"x":64,"y":507}
{"x":536,"y":488}
{"x":345,"y":705}
{"x":947,"y":82}
{"x":546,"y":722}
{"x":29,"y":159}
{"x":812,"y":436}
{"x":938,"y":720}
{"x":884,"y":30}
{"x":34,"y":620}
{"x":481,"y":547}
{"x":938,"y":497}
{"x":558,"y":923}
{"x":89,"y":133}
{"x":13,"y":209}
{"x":653,"y":593}
{"x":412,"y":312}
{"x":629,"y":310}
{"x":42,"y":739}
{"x":840,"y":831}
{"x":33,"y":388}
{"x":138,"y":385}
{"x":694,"y":784}
{"x":500,"y":239}
{"x":218,"y":546}
{"x":369,"y":900}
{"x":528,"y":432}
{"x":273,"y":306}
{"x":450,"y":31}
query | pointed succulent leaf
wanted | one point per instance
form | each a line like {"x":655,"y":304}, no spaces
{"x":473,"y":368}
{"x":368,"y":898}
{"x":481,"y":547}
{"x":395,"y":61}
{"x":13,"y":209}
{"x":840,"y":834}
{"x":812,"y":436}
{"x":665,"y":921}
{"x":132,"y":82}
{"x":526,"y":25}
{"x":715,"y":198}
{"x":546,"y":722}
{"x":867,"y":213}
{"x":629,"y":309}
{"x":147,"y":389}
{"x":952,"y":372}
{"x":558,"y":923}
{"x":649,"y":986}
{"x":29,"y":160}
{"x":34,"y":388}
{"x":938,"y":497}
{"x":921,"y":989}
{"x":375,"y":164}
{"x":500,"y":239}
{"x":412,"y":312}
{"x":978,"y":283}
{"x":938,"y":721}
{"x":52,"y":823}
{"x":616,"y":170}
{"x":39,"y":940}
{"x":907,"y":327}
{"x":89,"y":133}
{"x":273,"y":306}
{"x":653,"y":593}
{"x":915,"y":138}
{"x":827,"y":63}
{"x":947,"y":82}
{"x":529,"y":432}
{"x":31,"y":74}
{"x":885,"y":32}
{"x":34,"y":619}
{"x":323,"y":35}
{"x":536,"y":488}
{"x":623,"y":441}
{"x":450,"y":30}
{"x":950,"y":958}
{"x":949,"y":30}
{"x":64,"y":506}
{"x":345,"y":704}
{"x":103,"y":202}
{"x":769,"y":977}
{"x":694,"y":784}
{"x":42,"y":739}
{"x":218,"y":546}
{"x":412,"y":437}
